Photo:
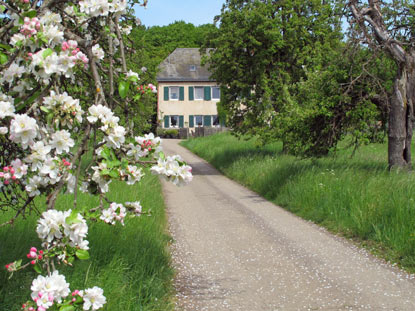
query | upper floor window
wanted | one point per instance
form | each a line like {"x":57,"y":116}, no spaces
{"x":192,"y":68}
{"x":174,"y":92}
{"x":199,"y":92}
{"x":215,"y":92}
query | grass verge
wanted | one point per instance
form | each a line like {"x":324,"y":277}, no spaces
{"x":357,"y":197}
{"x":131,"y":263}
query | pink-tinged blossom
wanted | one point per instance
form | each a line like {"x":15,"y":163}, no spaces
{"x":19,"y":168}
{"x":46,"y":290}
{"x":116,"y":212}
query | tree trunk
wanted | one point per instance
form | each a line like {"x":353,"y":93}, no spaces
{"x":401,"y":117}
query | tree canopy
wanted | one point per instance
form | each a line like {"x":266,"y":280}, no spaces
{"x":289,"y":73}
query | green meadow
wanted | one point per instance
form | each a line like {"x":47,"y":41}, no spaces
{"x":131,"y":263}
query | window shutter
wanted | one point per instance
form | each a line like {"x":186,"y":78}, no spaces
{"x":207,"y":93}
{"x":166,"y":121}
{"x":191,"y":121}
{"x":166,"y":93}
{"x":191,"y":93}
{"x":181,"y":93}
{"x":207,"y":120}
{"x":181,"y":121}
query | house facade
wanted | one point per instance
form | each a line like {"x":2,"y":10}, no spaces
{"x":187,"y":97}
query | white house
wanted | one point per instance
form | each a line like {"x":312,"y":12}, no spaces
{"x":187,"y":96}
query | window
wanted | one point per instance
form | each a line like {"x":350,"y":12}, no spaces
{"x":192,"y":68}
{"x":174,"y":92}
{"x":216,"y":92}
{"x":215,"y":121}
{"x":199,"y":92}
{"x":198,"y":121}
{"x":174,"y":121}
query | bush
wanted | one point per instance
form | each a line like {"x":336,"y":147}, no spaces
{"x":170,"y":133}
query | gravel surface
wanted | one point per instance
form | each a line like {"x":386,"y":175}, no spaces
{"x":233,"y":250}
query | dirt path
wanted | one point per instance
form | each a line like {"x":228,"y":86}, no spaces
{"x":235,"y":251}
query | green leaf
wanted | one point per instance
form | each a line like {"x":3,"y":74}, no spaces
{"x":123,"y":89}
{"x":133,"y":79}
{"x":3,"y":58}
{"x":30,"y":14}
{"x":5,"y":47}
{"x":67,"y":308}
{"x":44,"y":109}
{"x":106,"y":153}
{"x":82,"y":254}
{"x":18,"y":263}
{"x":72,"y":218}
{"x":37,"y":268}
{"x":2,"y":8}
{"x":114,"y":174}
{"x":47,"y":52}
{"x":113,"y":163}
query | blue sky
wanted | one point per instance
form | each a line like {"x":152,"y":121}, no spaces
{"x":164,"y":12}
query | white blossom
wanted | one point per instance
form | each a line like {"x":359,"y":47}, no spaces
{"x":6,"y":109}
{"x":62,"y":141}
{"x":24,"y":130}
{"x":94,"y":298}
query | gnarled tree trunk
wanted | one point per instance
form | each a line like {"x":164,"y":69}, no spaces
{"x":401,"y":114}
{"x":401,"y":118}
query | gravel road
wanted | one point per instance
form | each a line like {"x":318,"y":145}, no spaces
{"x":233,"y":250}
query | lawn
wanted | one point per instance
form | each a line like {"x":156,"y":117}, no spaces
{"x":131,"y":263}
{"x":357,"y":197}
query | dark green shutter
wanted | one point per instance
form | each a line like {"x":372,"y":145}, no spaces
{"x":207,"y":93}
{"x":191,"y":93}
{"x":181,"y":93}
{"x":191,"y":121}
{"x":166,"y":121}
{"x":166,"y":93}
{"x":207,"y":120}
{"x":181,"y":121}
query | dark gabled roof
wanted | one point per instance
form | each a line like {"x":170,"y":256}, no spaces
{"x":176,"y":67}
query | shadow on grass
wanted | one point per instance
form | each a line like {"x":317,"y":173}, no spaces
{"x":276,"y":177}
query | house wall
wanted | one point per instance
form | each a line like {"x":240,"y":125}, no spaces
{"x":185,"y":107}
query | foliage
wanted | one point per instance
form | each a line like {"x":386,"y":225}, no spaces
{"x":287,"y":74}
{"x":357,"y":197}
{"x":130,"y":263}
{"x":64,"y":79}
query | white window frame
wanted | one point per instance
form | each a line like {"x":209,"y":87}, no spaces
{"x":213,"y":98}
{"x":178,"y":121}
{"x":170,"y":92}
{"x":192,"y":68}
{"x":195,"y":123}
{"x":203,"y":92}
{"x":213,"y":118}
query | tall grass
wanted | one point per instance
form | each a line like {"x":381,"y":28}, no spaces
{"x":357,"y":197}
{"x":131,"y":262}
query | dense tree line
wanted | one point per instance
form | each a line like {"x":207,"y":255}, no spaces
{"x":291,"y":72}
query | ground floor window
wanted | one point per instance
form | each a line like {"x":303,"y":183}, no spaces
{"x":204,"y":120}
{"x":173,"y":121}
{"x":198,"y":121}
